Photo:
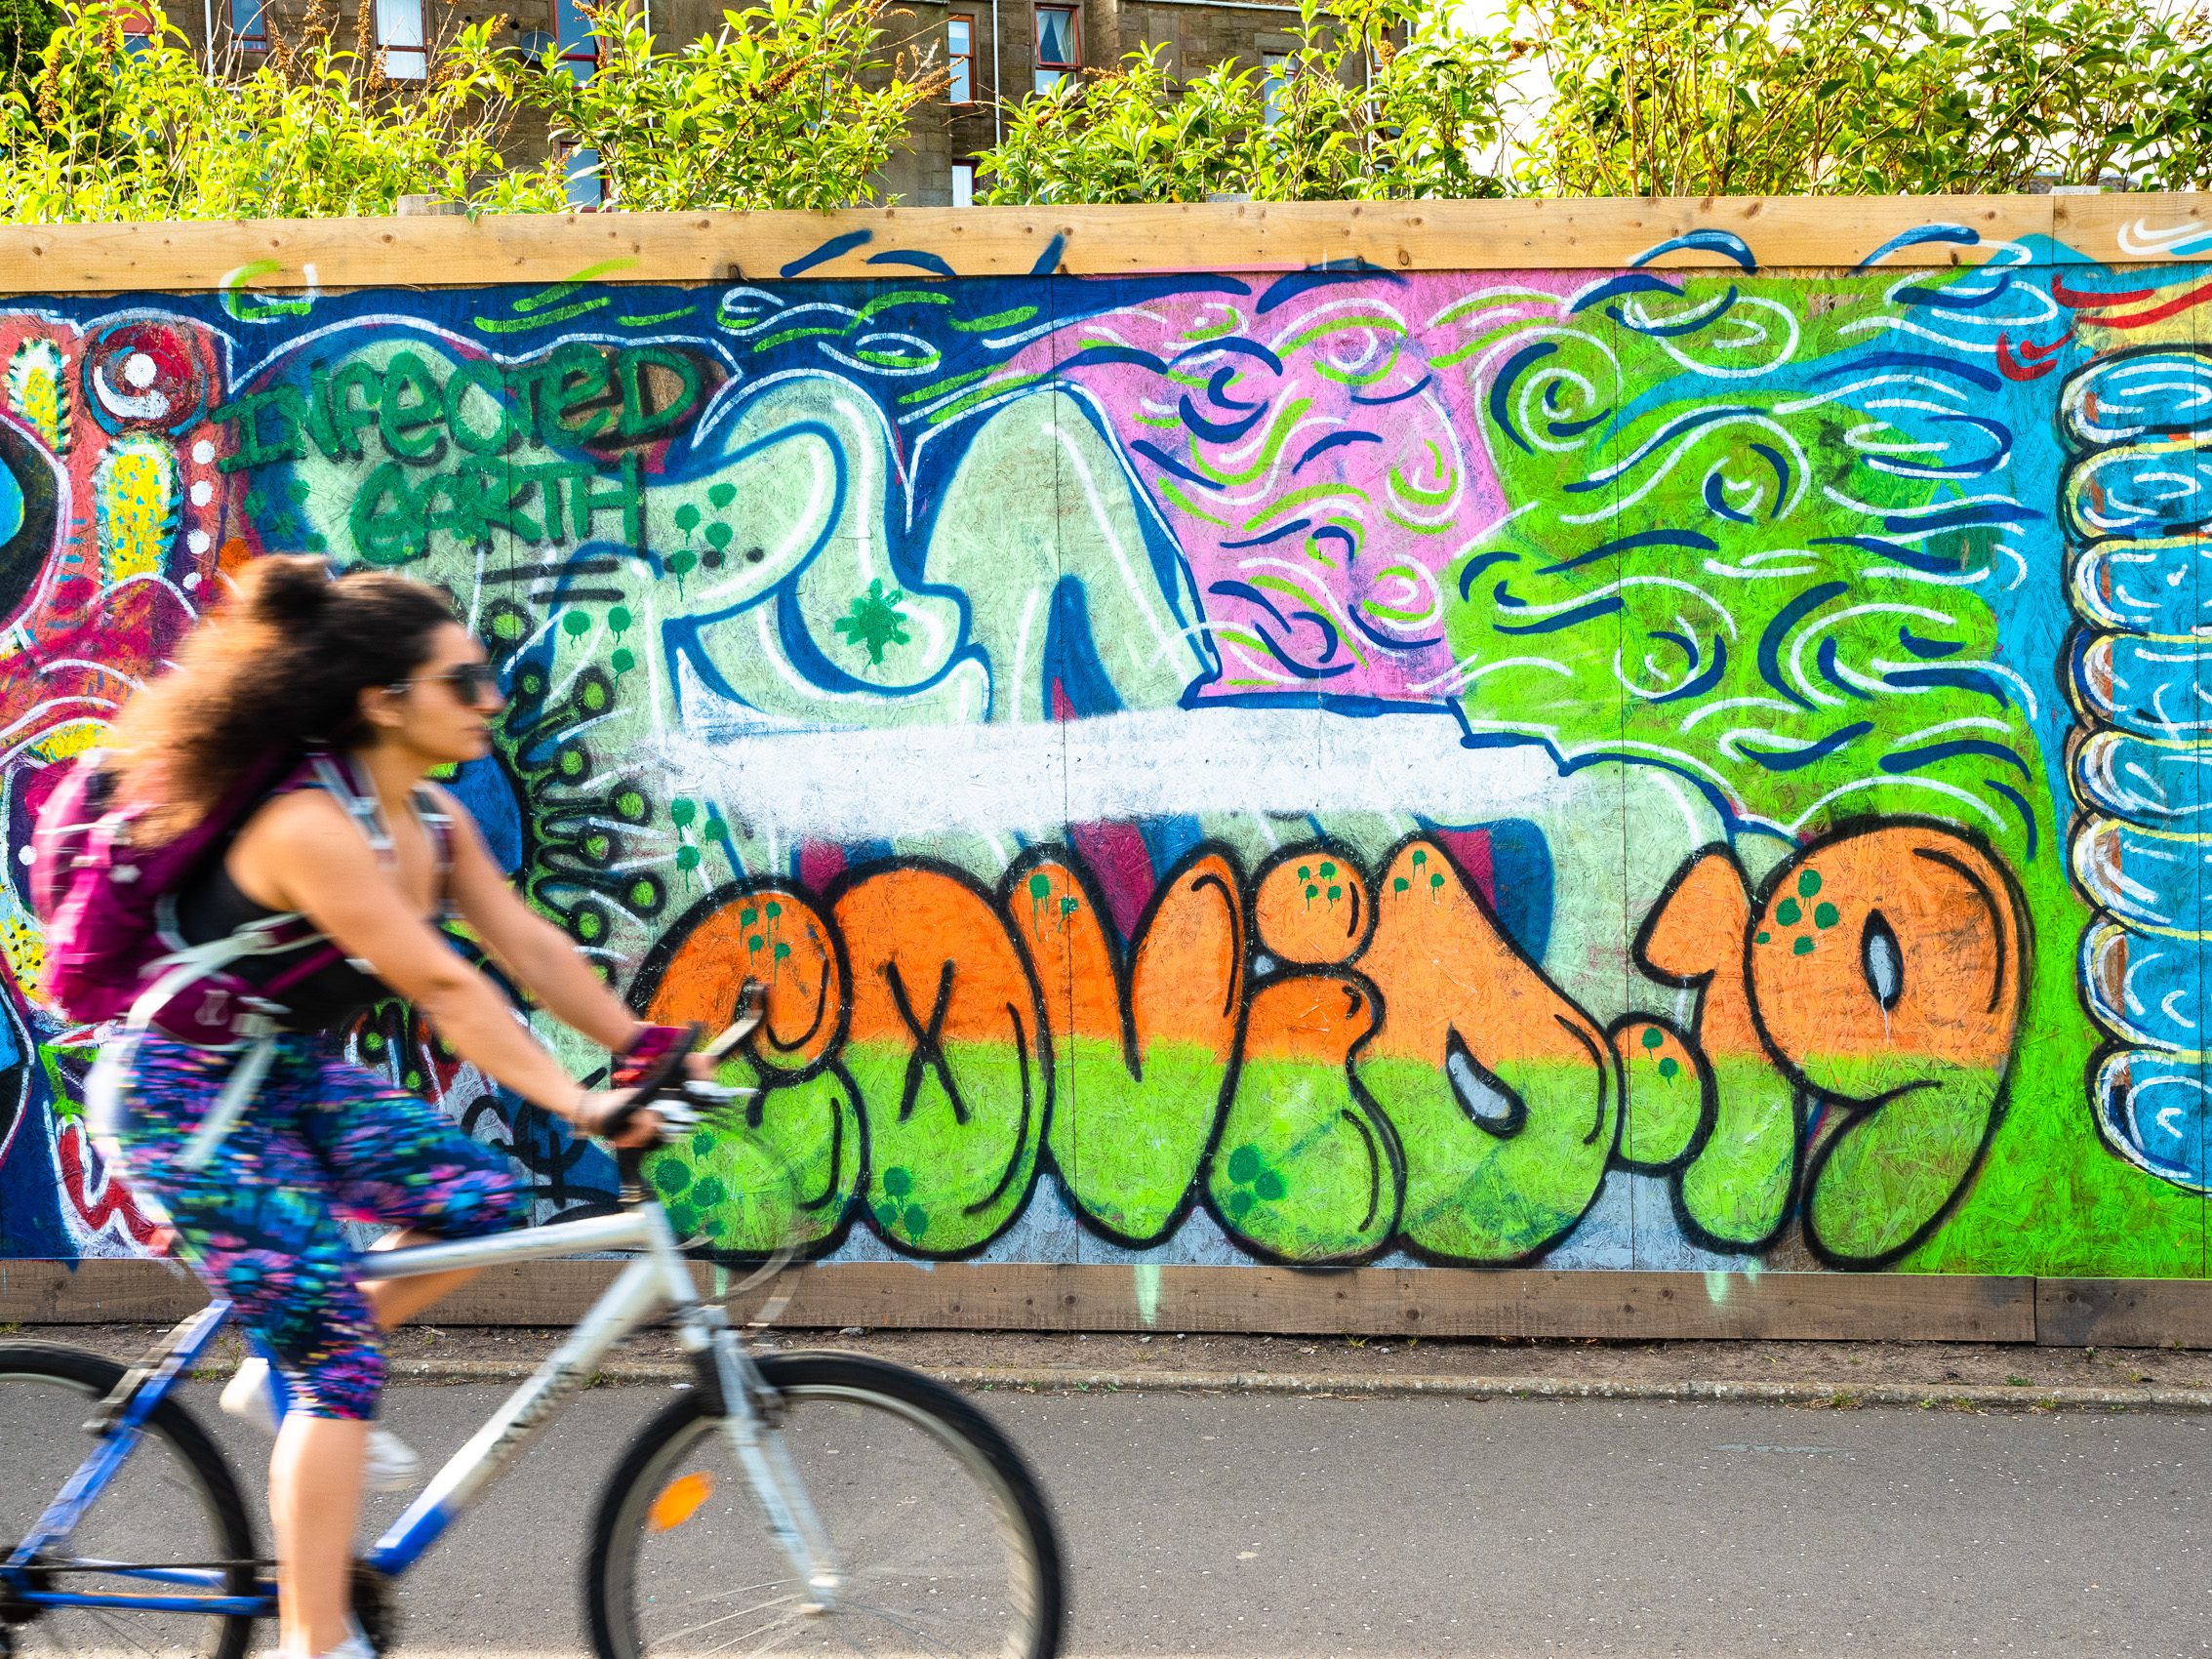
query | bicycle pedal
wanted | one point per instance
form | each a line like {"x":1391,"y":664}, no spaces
{"x":374,"y":1607}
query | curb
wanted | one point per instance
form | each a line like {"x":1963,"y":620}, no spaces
{"x":1401,"y":1385}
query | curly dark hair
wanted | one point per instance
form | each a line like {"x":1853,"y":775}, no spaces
{"x":280,"y":665}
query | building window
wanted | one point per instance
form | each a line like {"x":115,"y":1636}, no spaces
{"x":580,"y":47}
{"x":1060,"y":46}
{"x":141,"y":30}
{"x":960,"y":57}
{"x":249,"y":31}
{"x":1276,"y":70}
{"x":586,"y":183}
{"x":963,"y":183}
{"x":400,"y":38}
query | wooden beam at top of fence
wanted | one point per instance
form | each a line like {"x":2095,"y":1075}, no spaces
{"x":2135,"y":230}
{"x":904,"y":244}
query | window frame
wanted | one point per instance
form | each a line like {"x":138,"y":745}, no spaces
{"x":140,"y":26}
{"x":584,"y":50}
{"x":953,"y":58}
{"x":257,"y":38}
{"x":967,"y":162}
{"x":576,"y":159}
{"x":1277,"y":70}
{"x":407,"y":60}
{"x":1038,"y":66}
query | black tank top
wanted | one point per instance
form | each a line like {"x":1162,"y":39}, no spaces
{"x":212,"y":906}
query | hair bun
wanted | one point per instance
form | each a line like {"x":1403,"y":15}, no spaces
{"x":289,"y":589}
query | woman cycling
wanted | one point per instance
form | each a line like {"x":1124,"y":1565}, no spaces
{"x":372,"y":673}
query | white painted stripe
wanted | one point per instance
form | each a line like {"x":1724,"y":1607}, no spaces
{"x":862,"y":784}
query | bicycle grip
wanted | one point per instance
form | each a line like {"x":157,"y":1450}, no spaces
{"x":665,"y":1068}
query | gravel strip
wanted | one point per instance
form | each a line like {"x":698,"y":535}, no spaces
{"x":1057,"y":1380}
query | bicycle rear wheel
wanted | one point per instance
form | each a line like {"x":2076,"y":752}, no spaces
{"x":944,"y":1540}
{"x":173,"y":1503}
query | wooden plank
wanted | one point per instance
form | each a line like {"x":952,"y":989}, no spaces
{"x":1408,"y":1301}
{"x":909,"y":243}
{"x":138,"y":1292}
{"x":2123,"y":1312}
{"x":1417,"y":1300}
{"x":2129,"y":229}
{"x":96,"y":1292}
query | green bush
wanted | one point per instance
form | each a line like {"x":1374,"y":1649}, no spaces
{"x":791,"y":104}
{"x":801,"y":104}
{"x":110,"y":130}
{"x":1381,"y":98}
{"x":1626,"y":97}
{"x":774,"y":110}
{"x":25,"y":25}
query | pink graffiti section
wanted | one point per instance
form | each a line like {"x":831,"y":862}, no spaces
{"x":1313,"y":449}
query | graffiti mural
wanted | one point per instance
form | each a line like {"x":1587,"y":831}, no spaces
{"x":1685,"y":768}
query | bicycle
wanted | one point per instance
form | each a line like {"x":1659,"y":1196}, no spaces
{"x":861,"y":1475}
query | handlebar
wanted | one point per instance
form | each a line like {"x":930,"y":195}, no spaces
{"x":678,"y":1100}
{"x":661,"y":1084}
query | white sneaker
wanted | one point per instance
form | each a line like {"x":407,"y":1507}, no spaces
{"x":354,"y":1646}
{"x":391,"y":1465}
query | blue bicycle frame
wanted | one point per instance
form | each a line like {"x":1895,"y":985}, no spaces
{"x":83,"y":1488}
{"x":653,"y":1283}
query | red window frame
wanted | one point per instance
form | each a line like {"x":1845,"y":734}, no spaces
{"x":414,"y":58}
{"x":580,"y":45}
{"x":1075,"y":14}
{"x":140,"y":26}
{"x":255,"y":38}
{"x":953,"y":58}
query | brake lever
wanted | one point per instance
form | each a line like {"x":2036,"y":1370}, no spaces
{"x":682,"y":1111}
{"x":716,"y":1094}
{"x":677,"y":1118}
{"x":751,"y":1009}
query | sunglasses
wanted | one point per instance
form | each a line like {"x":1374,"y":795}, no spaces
{"x":472,"y":682}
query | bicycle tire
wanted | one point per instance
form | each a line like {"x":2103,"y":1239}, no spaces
{"x":1023,"y":1521}
{"x":93,"y":1378}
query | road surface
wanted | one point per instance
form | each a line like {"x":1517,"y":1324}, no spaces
{"x":1292,"y":1528}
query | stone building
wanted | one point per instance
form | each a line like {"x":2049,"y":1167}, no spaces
{"x":997,"y":51}
{"x":1001,"y":51}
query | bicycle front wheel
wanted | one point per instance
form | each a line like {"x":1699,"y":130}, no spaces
{"x":173,"y":1505}
{"x":940,"y":1535}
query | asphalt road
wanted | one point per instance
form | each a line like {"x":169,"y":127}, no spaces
{"x":1283,"y":1528}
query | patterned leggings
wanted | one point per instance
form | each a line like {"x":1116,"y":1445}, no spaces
{"x":322,"y":1141}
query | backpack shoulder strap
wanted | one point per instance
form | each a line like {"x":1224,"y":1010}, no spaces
{"x":438,"y":824}
{"x":334,"y":775}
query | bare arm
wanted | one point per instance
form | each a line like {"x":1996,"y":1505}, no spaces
{"x":541,"y":957}
{"x":312,"y":859}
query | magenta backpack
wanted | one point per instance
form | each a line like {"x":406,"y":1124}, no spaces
{"x":110,"y":950}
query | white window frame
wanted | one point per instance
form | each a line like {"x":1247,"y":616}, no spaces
{"x":1277,"y":70}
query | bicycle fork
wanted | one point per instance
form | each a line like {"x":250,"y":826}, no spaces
{"x":748,"y":1419}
